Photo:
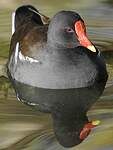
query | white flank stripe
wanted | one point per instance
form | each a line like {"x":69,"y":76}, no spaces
{"x":18,"y":97}
{"x":98,"y":52}
{"x":13,"y":22}
{"x":26,"y":58}
{"x":16,"y":52}
{"x":40,"y":14}
{"x":21,"y":57}
{"x":24,"y":101}
{"x":34,"y":11}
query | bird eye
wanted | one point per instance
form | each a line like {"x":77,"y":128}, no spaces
{"x":69,"y":29}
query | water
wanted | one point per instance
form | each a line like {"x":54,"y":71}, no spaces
{"x":21,"y":128}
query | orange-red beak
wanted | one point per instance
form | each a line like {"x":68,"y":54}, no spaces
{"x":87,"y":128}
{"x":82,"y":37}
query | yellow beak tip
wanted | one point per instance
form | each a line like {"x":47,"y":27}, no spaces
{"x":96,"y":122}
{"x":92,"y":48}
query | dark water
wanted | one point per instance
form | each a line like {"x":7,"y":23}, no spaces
{"x":21,"y":128}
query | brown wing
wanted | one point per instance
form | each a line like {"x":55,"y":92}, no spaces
{"x":31,"y":38}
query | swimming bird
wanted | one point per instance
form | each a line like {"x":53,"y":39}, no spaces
{"x":55,"y":68}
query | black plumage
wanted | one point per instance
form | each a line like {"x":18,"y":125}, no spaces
{"x":52,"y":71}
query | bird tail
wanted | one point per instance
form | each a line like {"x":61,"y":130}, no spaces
{"x":27,"y":13}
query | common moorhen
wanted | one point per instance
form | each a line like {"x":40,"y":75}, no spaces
{"x":55,"y":68}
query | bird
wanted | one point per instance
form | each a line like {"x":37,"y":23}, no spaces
{"x":56,"y":69}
